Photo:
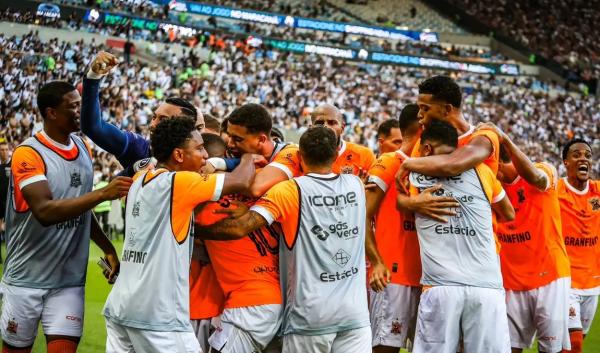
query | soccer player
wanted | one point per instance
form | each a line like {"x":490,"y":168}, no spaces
{"x":535,"y":266}
{"x":394,"y":308}
{"x":248,"y":268}
{"x":323,"y":250}
{"x":462,"y":284}
{"x":206,"y":296}
{"x":48,"y":228}
{"x":352,"y":158}
{"x":389,"y":137}
{"x":132,"y":150}
{"x":148,"y":308}
{"x":440,"y":98}
{"x":580,"y":214}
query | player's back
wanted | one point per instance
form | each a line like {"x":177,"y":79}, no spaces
{"x":325,"y":265}
{"x":461,"y":251}
{"x":54,"y":256}
{"x":580,"y":216}
{"x":533,"y":253}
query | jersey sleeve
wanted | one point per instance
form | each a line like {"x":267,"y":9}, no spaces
{"x":551,"y":175}
{"x":189,"y":190}
{"x":491,"y":186}
{"x":288,"y":161}
{"x":383,"y":172}
{"x":27,"y":167}
{"x":282,"y":204}
{"x":368,"y":158}
{"x":137,"y":147}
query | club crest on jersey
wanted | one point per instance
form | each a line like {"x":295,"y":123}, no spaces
{"x":396,"y":328}
{"x":521,"y":195}
{"x":135,"y":212}
{"x":75,"y":179}
{"x":347,"y":170}
{"x":595,"y":202}
{"x":341,"y":258}
{"x":12,"y":326}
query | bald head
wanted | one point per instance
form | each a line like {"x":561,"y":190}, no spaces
{"x":329,"y":116}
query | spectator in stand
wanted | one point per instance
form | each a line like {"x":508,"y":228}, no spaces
{"x":4,"y":180}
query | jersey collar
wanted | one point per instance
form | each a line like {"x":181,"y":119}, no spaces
{"x":342,"y":148}
{"x":402,"y":154}
{"x":575,"y":190}
{"x":57,"y":144}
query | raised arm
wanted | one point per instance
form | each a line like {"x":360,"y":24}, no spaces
{"x":106,"y":135}
{"x":462,"y":159}
{"x":241,"y":178}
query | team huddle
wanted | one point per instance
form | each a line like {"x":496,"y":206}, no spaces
{"x":451,"y":240}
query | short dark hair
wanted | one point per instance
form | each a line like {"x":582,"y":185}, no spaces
{"x":441,"y":132}
{"x":386,"y":127}
{"x":442,"y":88}
{"x":318,"y":146}
{"x":275,"y":132}
{"x":254,"y":117}
{"x":224,"y":125}
{"x":51,"y":95}
{"x":565,"y":151}
{"x":214,"y":145}
{"x":210,"y":122}
{"x":170,"y":134}
{"x":187,"y":108}
{"x":408,"y":122}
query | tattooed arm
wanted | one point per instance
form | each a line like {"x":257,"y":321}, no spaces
{"x":231,"y":228}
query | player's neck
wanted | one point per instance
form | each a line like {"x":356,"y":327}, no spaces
{"x":460,"y":124}
{"x":268,"y":149}
{"x":576,"y":183}
{"x":318,"y":170}
{"x":57,"y":136}
{"x":408,"y":144}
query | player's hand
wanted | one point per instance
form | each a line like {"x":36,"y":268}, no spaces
{"x":116,"y":189}
{"x":431,"y":204}
{"x":113,"y":261}
{"x":103,"y":63}
{"x":402,"y":183}
{"x":259,"y":161}
{"x":236,"y":209}
{"x":363,"y":174}
{"x":380,"y":277}
{"x":492,"y":127}
{"x":208,"y":168}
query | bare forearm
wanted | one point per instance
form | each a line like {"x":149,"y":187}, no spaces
{"x":525,"y":167}
{"x":232,"y":228}
{"x":55,"y":211}
{"x":99,"y":237}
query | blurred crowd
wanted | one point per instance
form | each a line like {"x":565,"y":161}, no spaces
{"x":540,"y":117}
{"x":565,"y":31}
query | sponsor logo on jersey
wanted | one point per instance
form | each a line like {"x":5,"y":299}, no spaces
{"x":581,"y":241}
{"x":266,"y":269}
{"x":341,"y":258}
{"x":135,"y":212}
{"x":515,"y":237}
{"x":396,"y":327}
{"x":455,"y":230}
{"x":338,"y":276}
{"x":137,"y":257}
{"x":71,"y":223}
{"x":348,"y":199}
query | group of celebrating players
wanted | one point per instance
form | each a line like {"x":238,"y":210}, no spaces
{"x":238,"y":242}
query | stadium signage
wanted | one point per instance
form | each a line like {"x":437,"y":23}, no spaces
{"x":48,"y":10}
{"x":113,"y":19}
{"x":307,"y":23}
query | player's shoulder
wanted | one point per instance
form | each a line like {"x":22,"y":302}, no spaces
{"x":358,"y":148}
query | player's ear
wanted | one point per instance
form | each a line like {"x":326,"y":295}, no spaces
{"x":449,"y":108}
{"x":177,"y":155}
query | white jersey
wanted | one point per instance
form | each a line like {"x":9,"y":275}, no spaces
{"x":152,"y":290}
{"x":461,"y":252}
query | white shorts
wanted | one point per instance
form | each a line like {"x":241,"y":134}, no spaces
{"x":393,"y":314}
{"x":447,"y":313}
{"x":246,"y":329}
{"x":202,"y":330}
{"x":543,"y":310}
{"x":123,"y":339}
{"x":582,"y":309}
{"x":351,"y":341}
{"x":59,"y":310}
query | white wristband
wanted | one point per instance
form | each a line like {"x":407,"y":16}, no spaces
{"x":94,"y":76}
{"x":218,"y":163}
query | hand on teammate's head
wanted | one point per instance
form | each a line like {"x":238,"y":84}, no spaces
{"x":103,"y":63}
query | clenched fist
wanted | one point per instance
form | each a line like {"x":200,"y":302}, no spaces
{"x":103,"y":63}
